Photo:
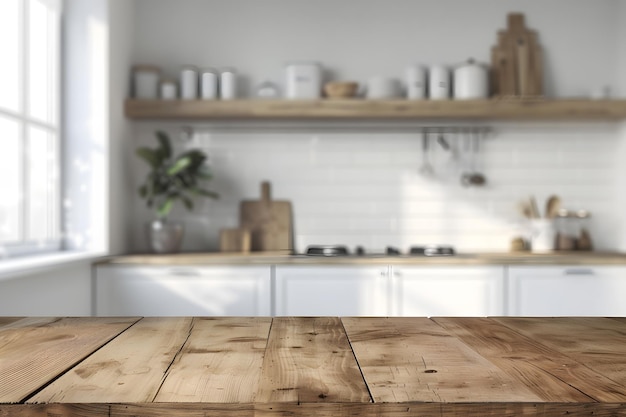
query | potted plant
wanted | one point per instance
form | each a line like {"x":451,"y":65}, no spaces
{"x":171,"y":179}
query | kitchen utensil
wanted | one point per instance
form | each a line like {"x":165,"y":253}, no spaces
{"x":327,"y":250}
{"x":534,"y":210}
{"x":553,"y":205}
{"x":303,"y":80}
{"x":235,"y":240}
{"x":426,"y":169}
{"x":415,"y":82}
{"x":472,"y":177}
{"x":525,"y":209}
{"x":382,"y":88}
{"x":439,"y":82}
{"x":471,"y":81}
{"x":516,"y":61}
{"x":340,"y":89}
{"x":269,"y":222}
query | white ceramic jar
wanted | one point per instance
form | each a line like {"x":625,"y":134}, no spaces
{"x":146,"y":81}
{"x":228,"y":84}
{"x":208,"y":84}
{"x":380,"y":87}
{"x":471,"y":81}
{"x":415,"y":82}
{"x":439,"y":82}
{"x":189,"y":83}
{"x":303,"y":80}
{"x":168,"y":90}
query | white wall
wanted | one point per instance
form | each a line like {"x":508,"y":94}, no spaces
{"x":121,"y":23}
{"x":358,"y":187}
{"x":359,"y":39}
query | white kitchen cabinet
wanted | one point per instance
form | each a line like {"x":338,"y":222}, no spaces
{"x":567,"y":291}
{"x":332,"y":291}
{"x":124,"y":290}
{"x":447,"y":290}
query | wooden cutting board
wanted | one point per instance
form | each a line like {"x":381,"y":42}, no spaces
{"x":516,"y":61}
{"x":270,"y":222}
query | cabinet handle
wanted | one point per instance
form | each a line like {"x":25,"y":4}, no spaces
{"x":579,"y":271}
{"x":185,"y":272}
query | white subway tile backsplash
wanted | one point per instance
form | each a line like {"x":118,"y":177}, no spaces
{"x":365,"y":188}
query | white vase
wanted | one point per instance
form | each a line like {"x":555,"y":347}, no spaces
{"x":165,"y":236}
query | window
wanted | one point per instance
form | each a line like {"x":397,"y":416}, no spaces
{"x":29,"y":126}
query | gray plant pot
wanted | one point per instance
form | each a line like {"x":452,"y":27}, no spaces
{"x":165,"y":236}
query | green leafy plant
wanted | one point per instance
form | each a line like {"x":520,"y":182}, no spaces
{"x":172,"y":178}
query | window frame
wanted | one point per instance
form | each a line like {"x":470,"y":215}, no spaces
{"x":26,"y":121}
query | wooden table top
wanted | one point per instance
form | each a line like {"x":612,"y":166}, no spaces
{"x":324,"y":366}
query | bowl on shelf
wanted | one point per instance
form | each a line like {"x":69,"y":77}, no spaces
{"x":341,"y":89}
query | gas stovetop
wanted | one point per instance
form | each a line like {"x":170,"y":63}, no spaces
{"x":342,"y":250}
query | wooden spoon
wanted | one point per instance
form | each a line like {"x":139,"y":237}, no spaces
{"x":553,"y":206}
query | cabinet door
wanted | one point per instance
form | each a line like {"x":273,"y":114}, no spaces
{"x":332,"y":291}
{"x":447,"y":291}
{"x":123,"y":290}
{"x":567,"y":291}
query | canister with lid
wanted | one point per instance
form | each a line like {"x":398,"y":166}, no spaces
{"x":439,"y":82}
{"x":415,"y":82}
{"x":189,"y":82}
{"x":567,"y":229}
{"x":146,"y":81}
{"x":303,"y":80}
{"x":471,"y":81}
{"x":208,"y":84}
{"x":168,"y":89}
{"x":228,"y":84}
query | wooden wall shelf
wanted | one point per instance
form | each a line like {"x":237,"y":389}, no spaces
{"x":361,"y":109}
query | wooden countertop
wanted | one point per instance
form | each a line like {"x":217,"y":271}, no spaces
{"x":326,"y":366}
{"x":272,"y":258}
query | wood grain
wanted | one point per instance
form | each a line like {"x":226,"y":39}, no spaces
{"x":129,"y":369}
{"x":552,"y":375}
{"x":413,"y":359}
{"x":230,"y":354}
{"x":310,"y":360}
{"x":42,"y":352}
{"x":597,"y":343}
{"x":358,"y":109}
{"x":269,"y":222}
{"x":7,"y":323}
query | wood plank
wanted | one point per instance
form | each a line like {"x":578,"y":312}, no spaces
{"x":129,"y":369}
{"x":551,"y":374}
{"x":414,"y":359}
{"x":479,"y":409}
{"x":487,"y":109}
{"x":7,"y":323}
{"x":42,"y":352}
{"x":598,"y":343}
{"x":229,"y":351}
{"x":310,"y":360}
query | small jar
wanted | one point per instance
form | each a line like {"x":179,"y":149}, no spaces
{"x":568,"y":230}
{"x":146,"y":82}
{"x":208,"y":84}
{"x":189,"y":83}
{"x":439,"y":82}
{"x":228,"y":84}
{"x":415,"y":82}
{"x":168,"y":89}
{"x":584,"y":237}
